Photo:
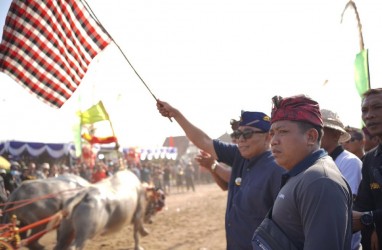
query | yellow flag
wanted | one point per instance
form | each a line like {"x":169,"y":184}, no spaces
{"x":94,"y":114}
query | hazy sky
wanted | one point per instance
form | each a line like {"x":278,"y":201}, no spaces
{"x":210,"y":59}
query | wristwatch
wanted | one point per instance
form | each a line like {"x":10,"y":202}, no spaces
{"x":213,"y":167}
{"x":367,"y":218}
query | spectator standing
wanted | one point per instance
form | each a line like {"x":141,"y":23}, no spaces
{"x":255,"y":178}
{"x":99,"y":173}
{"x":42,"y":171}
{"x":179,"y":178}
{"x":9,"y":182}
{"x":189,"y":176}
{"x":356,"y":143}
{"x":27,"y":172}
{"x":145,"y":173}
{"x":53,"y":171}
{"x":135,"y":169}
{"x":314,"y":205}
{"x":167,"y":179}
{"x":158,"y":176}
{"x":75,"y":169}
{"x":3,"y":191}
{"x":63,"y":169}
{"x":85,"y":172}
{"x":32,"y":170}
{"x":368,"y":204}
{"x":16,"y":172}
{"x":348,"y":163}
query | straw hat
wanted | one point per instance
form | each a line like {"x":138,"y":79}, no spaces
{"x":45,"y":165}
{"x":332,"y":120}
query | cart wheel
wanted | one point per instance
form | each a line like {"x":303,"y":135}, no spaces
{"x":6,"y":246}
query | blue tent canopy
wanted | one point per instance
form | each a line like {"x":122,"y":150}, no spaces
{"x":36,"y":149}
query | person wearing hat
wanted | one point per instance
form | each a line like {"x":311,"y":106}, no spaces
{"x":348,"y":163}
{"x":255,"y":177}
{"x":367,"y":215}
{"x":334,"y":135}
{"x":8,"y":182}
{"x":42,"y":170}
{"x":313,"y":208}
{"x":15,"y":174}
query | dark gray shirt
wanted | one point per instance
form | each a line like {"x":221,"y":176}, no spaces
{"x":314,"y":208}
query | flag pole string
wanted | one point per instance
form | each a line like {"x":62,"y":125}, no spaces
{"x":119,"y":48}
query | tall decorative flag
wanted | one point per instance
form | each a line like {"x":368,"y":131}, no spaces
{"x":361,"y":72}
{"x":98,"y":132}
{"x":48,"y":45}
{"x":361,"y":63}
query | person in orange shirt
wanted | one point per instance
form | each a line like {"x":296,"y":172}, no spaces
{"x":99,"y":173}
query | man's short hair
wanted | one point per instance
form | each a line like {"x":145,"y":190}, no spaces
{"x":355,"y":133}
{"x":370,"y":92}
{"x":305,"y":126}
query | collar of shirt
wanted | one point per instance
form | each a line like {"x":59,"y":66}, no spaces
{"x":379,"y":150}
{"x":336,"y":152}
{"x":252,"y":162}
{"x":303,"y":165}
{"x":249,"y":164}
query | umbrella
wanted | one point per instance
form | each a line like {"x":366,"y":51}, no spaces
{"x":4,"y":163}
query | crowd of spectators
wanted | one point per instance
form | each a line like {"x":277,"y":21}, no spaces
{"x":165,"y":176}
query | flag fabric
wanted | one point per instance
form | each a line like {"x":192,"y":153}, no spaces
{"x":99,"y":140}
{"x":47,"y":46}
{"x":361,"y":72}
{"x":94,"y":114}
{"x":96,"y":127}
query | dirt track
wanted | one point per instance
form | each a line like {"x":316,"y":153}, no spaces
{"x":190,"y":221}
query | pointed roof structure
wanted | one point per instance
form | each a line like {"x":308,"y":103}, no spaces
{"x":179,"y":142}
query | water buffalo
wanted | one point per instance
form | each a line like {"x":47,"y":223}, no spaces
{"x":105,"y":207}
{"x":35,"y":200}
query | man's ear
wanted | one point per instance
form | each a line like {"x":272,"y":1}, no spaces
{"x":312,"y":136}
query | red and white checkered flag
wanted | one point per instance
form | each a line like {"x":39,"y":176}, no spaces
{"x":47,"y":46}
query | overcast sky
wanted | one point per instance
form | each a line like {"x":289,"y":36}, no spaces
{"x":211,"y":59}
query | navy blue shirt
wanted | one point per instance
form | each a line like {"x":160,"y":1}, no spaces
{"x":249,"y":202}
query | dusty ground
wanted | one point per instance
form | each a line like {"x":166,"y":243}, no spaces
{"x":190,"y":221}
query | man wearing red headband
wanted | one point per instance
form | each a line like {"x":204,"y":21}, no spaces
{"x":314,"y":205}
{"x":255,"y":176}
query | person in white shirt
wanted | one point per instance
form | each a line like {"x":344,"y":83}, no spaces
{"x":348,"y":163}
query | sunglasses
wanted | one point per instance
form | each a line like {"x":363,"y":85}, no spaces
{"x":247,"y":134}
